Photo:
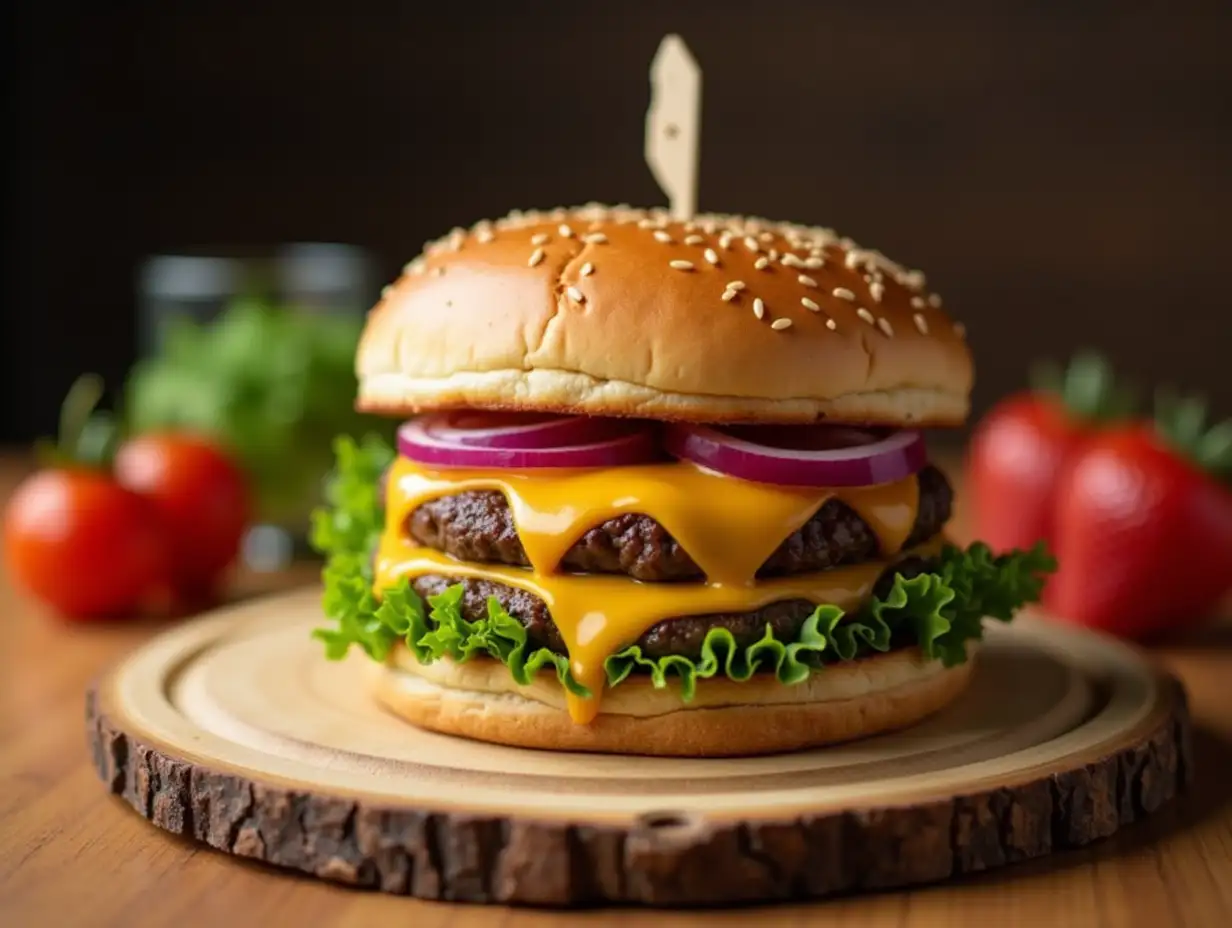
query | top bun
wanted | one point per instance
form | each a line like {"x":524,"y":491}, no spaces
{"x":625,"y":312}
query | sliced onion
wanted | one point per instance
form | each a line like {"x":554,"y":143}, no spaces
{"x":814,"y":456}
{"x":567,"y":442}
{"x":484,"y":429}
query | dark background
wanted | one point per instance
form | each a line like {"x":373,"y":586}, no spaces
{"x":1061,"y":171}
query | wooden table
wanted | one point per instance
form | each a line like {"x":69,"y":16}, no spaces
{"x":70,"y":854}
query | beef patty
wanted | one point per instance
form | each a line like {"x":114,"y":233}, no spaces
{"x":683,"y":635}
{"x":477,"y":525}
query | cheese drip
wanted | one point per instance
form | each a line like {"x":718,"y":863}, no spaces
{"x":729,"y":527}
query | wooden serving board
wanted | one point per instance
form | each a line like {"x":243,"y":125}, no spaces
{"x":233,"y":730}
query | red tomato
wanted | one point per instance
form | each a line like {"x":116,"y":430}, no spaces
{"x":82,"y":543}
{"x":1016,"y":454}
{"x":202,"y":496}
{"x":1143,"y":536}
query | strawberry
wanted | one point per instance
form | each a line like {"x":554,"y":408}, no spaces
{"x":1020,"y":447}
{"x":1143,"y":530}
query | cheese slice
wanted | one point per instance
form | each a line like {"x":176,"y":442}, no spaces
{"x":730,"y":527}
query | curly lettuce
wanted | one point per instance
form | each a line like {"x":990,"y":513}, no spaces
{"x":939,"y":611}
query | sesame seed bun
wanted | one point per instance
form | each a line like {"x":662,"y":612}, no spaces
{"x":478,"y":699}
{"x":621,"y":312}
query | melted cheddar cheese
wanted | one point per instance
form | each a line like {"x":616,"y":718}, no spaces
{"x":729,"y":527}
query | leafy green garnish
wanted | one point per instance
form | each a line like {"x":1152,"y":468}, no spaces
{"x":346,"y":530}
{"x":940,"y":611}
{"x":445,"y":633}
{"x":272,"y":384}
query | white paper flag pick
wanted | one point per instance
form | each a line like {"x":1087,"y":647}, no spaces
{"x":673,"y":124}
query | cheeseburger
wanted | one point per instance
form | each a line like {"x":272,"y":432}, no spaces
{"x":659,"y":489}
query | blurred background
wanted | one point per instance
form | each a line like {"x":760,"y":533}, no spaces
{"x":1060,"y":171}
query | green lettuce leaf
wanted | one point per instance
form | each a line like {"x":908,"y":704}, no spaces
{"x":346,"y":530}
{"x":443,"y":632}
{"x":940,"y":611}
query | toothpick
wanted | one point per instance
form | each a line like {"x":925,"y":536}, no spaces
{"x":673,"y":124}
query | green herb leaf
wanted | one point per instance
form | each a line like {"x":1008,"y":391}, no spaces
{"x":273,"y":384}
{"x":940,"y":611}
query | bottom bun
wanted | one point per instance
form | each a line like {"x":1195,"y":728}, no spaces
{"x":478,"y":699}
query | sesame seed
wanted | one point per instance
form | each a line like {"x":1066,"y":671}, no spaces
{"x":662,"y":236}
{"x":809,"y":304}
{"x":814,"y":263}
{"x":843,"y":293}
{"x":565,"y":230}
{"x":960,"y":330}
{"x":761,"y":263}
{"x":535,"y":257}
{"x":921,"y":323}
{"x":831,"y":325}
{"x":587,"y":269}
{"x":876,"y":291}
{"x":866,"y":316}
{"x":456,"y":238}
{"x":806,"y":280}
{"x":751,"y":243}
{"x":386,"y":291}
{"x":917,"y":302}
{"x":934,"y":300}
{"x":595,"y":238}
{"x":852,"y":260}
{"x":780,"y":324}
{"x":646,"y":223}
{"x":725,"y":240}
{"x":681,"y":265}
{"x":766,"y":237}
{"x":694,"y":239}
{"x":774,"y":254}
{"x":576,"y":295}
{"x":736,"y":285}
{"x":729,"y":295}
{"x":414,"y":267}
{"x":540,"y":238}
{"x":759,"y":307}
{"x":711,"y":255}
{"x":884,"y":324}
{"x":791,"y":260}
{"x":690,"y":226}
{"x":438,"y":271}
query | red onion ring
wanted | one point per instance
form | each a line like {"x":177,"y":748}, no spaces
{"x":600,"y":443}
{"x":483,"y":429}
{"x":814,"y":456}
